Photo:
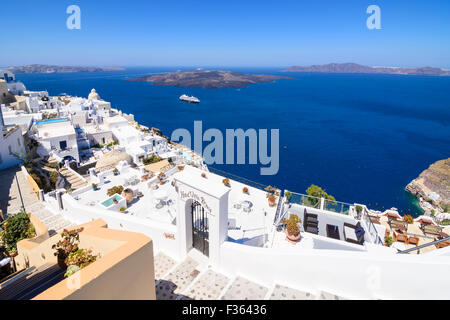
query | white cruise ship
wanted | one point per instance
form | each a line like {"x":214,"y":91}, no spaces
{"x":191,"y":99}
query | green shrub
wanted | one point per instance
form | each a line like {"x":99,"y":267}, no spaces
{"x":287,"y":195}
{"x":315,"y":192}
{"x":54,"y":175}
{"x":292,"y":225}
{"x":358,"y":209}
{"x":445,"y":207}
{"x":388,"y":241}
{"x":152,"y":159}
{"x":17,"y":227}
{"x":52,"y":165}
{"x":81,"y":258}
{"x":116,"y":189}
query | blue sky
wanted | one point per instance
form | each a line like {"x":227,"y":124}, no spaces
{"x":225,"y":33}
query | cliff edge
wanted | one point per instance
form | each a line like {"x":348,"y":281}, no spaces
{"x":432,"y":187}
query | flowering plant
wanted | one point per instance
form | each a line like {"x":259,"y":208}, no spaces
{"x":408,"y":219}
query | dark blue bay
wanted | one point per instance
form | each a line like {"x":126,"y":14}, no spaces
{"x":361,"y":137}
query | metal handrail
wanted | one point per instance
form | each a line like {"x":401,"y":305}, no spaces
{"x":423,"y":246}
{"x":371,"y":224}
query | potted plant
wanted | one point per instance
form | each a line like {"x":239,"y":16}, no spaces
{"x":287,"y":195}
{"x":12,"y":253}
{"x":161,"y":177}
{"x":271,"y":198}
{"x":226,"y":182}
{"x":66,"y":245}
{"x":292,"y":228}
{"x":408,"y":219}
{"x":122,"y":209}
{"x":245,"y":190}
{"x":203,"y":175}
{"x":358,"y":210}
{"x":94,"y":186}
{"x":180,"y":168}
{"x":116,"y":171}
{"x":388,"y":241}
{"x":77,"y":260}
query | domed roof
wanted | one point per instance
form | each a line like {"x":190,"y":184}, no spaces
{"x":93,"y":95}
{"x":111,"y":159}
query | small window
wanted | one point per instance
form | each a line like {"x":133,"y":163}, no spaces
{"x":1,"y":160}
{"x":9,"y":149}
{"x":18,"y":142}
{"x":104,"y":141}
{"x":63,"y":145}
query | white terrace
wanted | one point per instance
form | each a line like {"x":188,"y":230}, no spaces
{"x":328,"y":225}
{"x":249,"y":215}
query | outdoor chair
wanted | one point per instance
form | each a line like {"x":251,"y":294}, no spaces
{"x":441,"y":244}
{"x":354,"y":233}
{"x":311,"y":223}
{"x":401,"y":237}
{"x":432,"y":229}
{"x":414,"y":240}
{"x":398,"y":225}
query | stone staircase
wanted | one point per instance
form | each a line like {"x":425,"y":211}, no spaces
{"x":73,"y":179}
{"x":54,"y":222}
{"x":188,"y":280}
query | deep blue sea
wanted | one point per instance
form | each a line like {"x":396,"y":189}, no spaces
{"x":361,"y":137}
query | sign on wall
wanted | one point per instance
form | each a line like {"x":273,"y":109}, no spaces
{"x":192,"y":195}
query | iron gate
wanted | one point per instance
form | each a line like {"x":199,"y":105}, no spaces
{"x":200,"y":230}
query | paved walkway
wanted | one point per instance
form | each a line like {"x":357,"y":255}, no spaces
{"x":10,"y":201}
{"x":185,"y":281}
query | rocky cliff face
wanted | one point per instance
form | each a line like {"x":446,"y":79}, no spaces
{"x":433,"y":185}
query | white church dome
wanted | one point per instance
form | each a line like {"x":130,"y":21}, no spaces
{"x":93,"y":95}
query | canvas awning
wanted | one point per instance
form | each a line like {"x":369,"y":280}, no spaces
{"x":159,"y":166}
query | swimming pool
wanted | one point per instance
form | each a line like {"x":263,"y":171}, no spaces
{"x":110,"y":201}
{"x":51,"y":121}
{"x":187,"y":156}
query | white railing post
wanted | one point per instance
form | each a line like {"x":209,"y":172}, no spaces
{"x":322,"y":203}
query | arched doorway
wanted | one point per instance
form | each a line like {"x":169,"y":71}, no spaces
{"x":200,"y":228}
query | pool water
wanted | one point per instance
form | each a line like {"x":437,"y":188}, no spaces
{"x":51,"y":121}
{"x":110,"y":201}
{"x":187,"y":156}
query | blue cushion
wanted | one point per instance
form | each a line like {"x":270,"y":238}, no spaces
{"x":359,"y":231}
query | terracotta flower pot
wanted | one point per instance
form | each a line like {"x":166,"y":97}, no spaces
{"x":291,"y":238}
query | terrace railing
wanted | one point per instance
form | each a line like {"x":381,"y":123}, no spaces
{"x":305,"y":200}
{"x":423,"y":246}
{"x":237,"y":178}
{"x":336,"y":206}
{"x":370,"y":227}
